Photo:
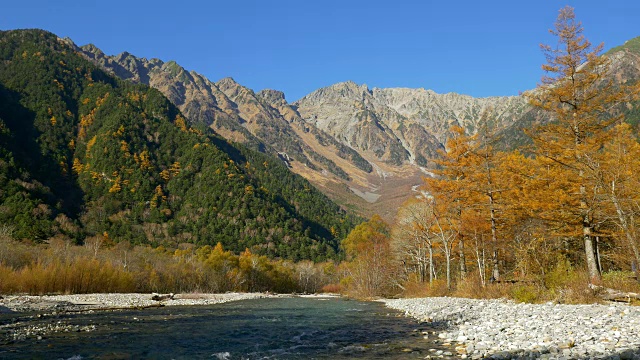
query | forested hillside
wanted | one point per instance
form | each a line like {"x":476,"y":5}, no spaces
{"x":83,"y":154}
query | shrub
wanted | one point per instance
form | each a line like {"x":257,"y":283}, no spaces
{"x":414,"y":288}
{"x":332,"y":288}
{"x":524,"y":293}
{"x":471,"y":287}
{"x":621,"y":280}
{"x":561,"y":274}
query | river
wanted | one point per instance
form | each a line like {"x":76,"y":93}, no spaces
{"x":273,"y":328}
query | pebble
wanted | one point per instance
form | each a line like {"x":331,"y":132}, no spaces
{"x":503,"y":329}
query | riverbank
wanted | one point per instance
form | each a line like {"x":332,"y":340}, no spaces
{"x":502,"y":329}
{"x":284,"y":327}
{"x":19,"y":311}
{"x":86,"y":302}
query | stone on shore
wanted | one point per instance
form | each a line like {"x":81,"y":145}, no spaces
{"x":502,"y":329}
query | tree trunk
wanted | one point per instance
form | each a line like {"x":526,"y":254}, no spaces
{"x":495,"y":275}
{"x":599,"y":263}
{"x":448,"y":255}
{"x":592,"y":266}
{"x":463,"y":262}
{"x":589,"y":249}
{"x":481,"y":269}
{"x":492,"y":213}
{"x":431,"y":267}
{"x":494,"y":240}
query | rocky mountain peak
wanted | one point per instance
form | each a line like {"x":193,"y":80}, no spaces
{"x":176,"y":71}
{"x":227,"y":82}
{"x":350,"y":88}
{"x":123,"y":56}
{"x":349,"y":84}
{"x":272,"y":97}
{"x":342,"y":91}
{"x":91,"y":48}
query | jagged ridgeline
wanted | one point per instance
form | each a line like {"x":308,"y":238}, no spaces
{"x":85,"y":154}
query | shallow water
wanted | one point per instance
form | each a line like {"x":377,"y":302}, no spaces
{"x":277,"y":328}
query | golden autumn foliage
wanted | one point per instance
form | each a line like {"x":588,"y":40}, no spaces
{"x":102,"y":266}
{"x":582,"y":97}
{"x":77,"y":166}
{"x":174,"y":169}
{"x":165,"y":175}
{"x":90,"y":145}
{"x":369,"y":271}
{"x":96,"y":176}
{"x":144,"y":161}
{"x":124,"y":146}
{"x":116,"y":185}
{"x":542,"y":226}
{"x":119,"y":132}
{"x":88,"y":119}
{"x":181,"y":123}
{"x":133,"y":96}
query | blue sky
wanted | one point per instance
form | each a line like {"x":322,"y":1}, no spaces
{"x":479,"y":48}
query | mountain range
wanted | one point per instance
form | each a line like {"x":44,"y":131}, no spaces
{"x":366,"y":148}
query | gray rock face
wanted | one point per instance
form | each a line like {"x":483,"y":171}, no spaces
{"x":400,"y":124}
{"x":273,"y":97}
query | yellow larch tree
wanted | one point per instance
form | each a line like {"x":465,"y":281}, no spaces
{"x":471,"y":184}
{"x":617,"y":178}
{"x":580,"y":98}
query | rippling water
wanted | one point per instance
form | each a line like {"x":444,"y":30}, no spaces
{"x":278,"y":328}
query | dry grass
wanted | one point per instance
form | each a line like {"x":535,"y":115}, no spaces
{"x":84,"y":276}
{"x":621,"y":280}
{"x":471,"y":287}
{"x":62,"y":268}
{"x":562,"y":285}
{"x":332,"y":289}
{"x":416,"y":289}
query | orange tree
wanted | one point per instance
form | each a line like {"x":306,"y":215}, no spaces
{"x":617,"y":178}
{"x":470,"y":184}
{"x":580,"y":98}
{"x":370,"y":269}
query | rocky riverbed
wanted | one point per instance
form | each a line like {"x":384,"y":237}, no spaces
{"x":501,"y":329}
{"x":79,"y":302}
{"x":18,"y":312}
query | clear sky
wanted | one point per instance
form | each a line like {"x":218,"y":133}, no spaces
{"x":475,"y":47}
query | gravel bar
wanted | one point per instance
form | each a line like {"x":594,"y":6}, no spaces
{"x":503,"y":329}
{"x":79,"y":302}
{"x":25,"y":317}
